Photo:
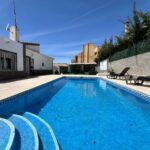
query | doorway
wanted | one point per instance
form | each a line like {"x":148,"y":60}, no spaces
{"x":28,"y":65}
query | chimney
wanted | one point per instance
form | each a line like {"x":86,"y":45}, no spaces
{"x":14,"y":33}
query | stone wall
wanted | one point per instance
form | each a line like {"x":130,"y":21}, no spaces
{"x":139,"y":65}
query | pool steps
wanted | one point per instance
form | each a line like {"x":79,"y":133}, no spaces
{"x":44,"y":130}
{"x":7,"y":134}
{"x":26,"y":135}
{"x":28,"y":131}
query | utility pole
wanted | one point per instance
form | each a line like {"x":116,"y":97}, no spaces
{"x":13,"y":30}
{"x":14,"y":13}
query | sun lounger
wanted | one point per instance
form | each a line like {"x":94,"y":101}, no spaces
{"x":112,"y":75}
{"x":137,"y":80}
{"x":120,"y":75}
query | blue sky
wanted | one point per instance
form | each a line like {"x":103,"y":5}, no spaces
{"x":63,"y":26}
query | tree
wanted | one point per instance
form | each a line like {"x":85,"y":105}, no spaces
{"x":122,"y":42}
{"x":139,"y":30}
{"x":135,"y":28}
{"x":145,"y":19}
{"x":106,"y":50}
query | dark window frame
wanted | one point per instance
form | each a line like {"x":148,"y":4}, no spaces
{"x":15,"y":60}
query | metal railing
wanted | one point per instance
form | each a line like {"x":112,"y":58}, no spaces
{"x":136,"y":49}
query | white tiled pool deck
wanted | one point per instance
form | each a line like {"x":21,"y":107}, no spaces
{"x":10,"y":88}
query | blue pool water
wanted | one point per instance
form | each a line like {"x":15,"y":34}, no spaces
{"x":91,"y":114}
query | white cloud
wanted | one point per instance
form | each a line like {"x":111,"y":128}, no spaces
{"x":66,"y":54}
{"x":91,"y":11}
{"x":72,"y":44}
{"x":66,"y":50}
{"x":43,"y":33}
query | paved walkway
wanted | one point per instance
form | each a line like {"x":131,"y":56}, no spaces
{"x":10,"y":88}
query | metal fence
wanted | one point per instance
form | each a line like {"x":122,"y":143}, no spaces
{"x":140,"y":48}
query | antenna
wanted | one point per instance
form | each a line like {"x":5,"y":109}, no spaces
{"x":7,"y":27}
{"x":14,"y":9}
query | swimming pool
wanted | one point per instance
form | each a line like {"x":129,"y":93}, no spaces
{"x":89,"y":114}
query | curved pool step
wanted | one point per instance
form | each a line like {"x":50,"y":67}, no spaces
{"x":46,"y":134}
{"x":26,"y":134}
{"x":7,"y":134}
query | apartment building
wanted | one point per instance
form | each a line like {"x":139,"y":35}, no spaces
{"x":88,"y":54}
{"x":85,"y":61}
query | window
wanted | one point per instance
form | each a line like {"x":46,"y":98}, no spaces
{"x":8,"y":64}
{"x":32,"y":64}
{"x":42,"y":64}
{"x":1,"y":63}
{"x":8,"y":61}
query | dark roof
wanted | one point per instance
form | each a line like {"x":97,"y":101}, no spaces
{"x":28,"y":43}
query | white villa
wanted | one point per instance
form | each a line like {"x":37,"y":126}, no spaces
{"x":20,"y":59}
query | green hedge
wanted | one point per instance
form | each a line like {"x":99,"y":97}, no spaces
{"x":137,"y":49}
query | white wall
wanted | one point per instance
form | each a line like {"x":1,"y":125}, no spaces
{"x":139,"y":64}
{"x":103,"y":65}
{"x":33,"y":47}
{"x":14,"y":47}
{"x":14,"y":33}
{"x":39,"y":59}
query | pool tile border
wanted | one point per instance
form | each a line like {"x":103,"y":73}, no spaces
{"x":11,"y":98}
{"x":132,"y":91}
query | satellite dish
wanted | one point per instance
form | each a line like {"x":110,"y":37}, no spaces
{"x":7,"y":27}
